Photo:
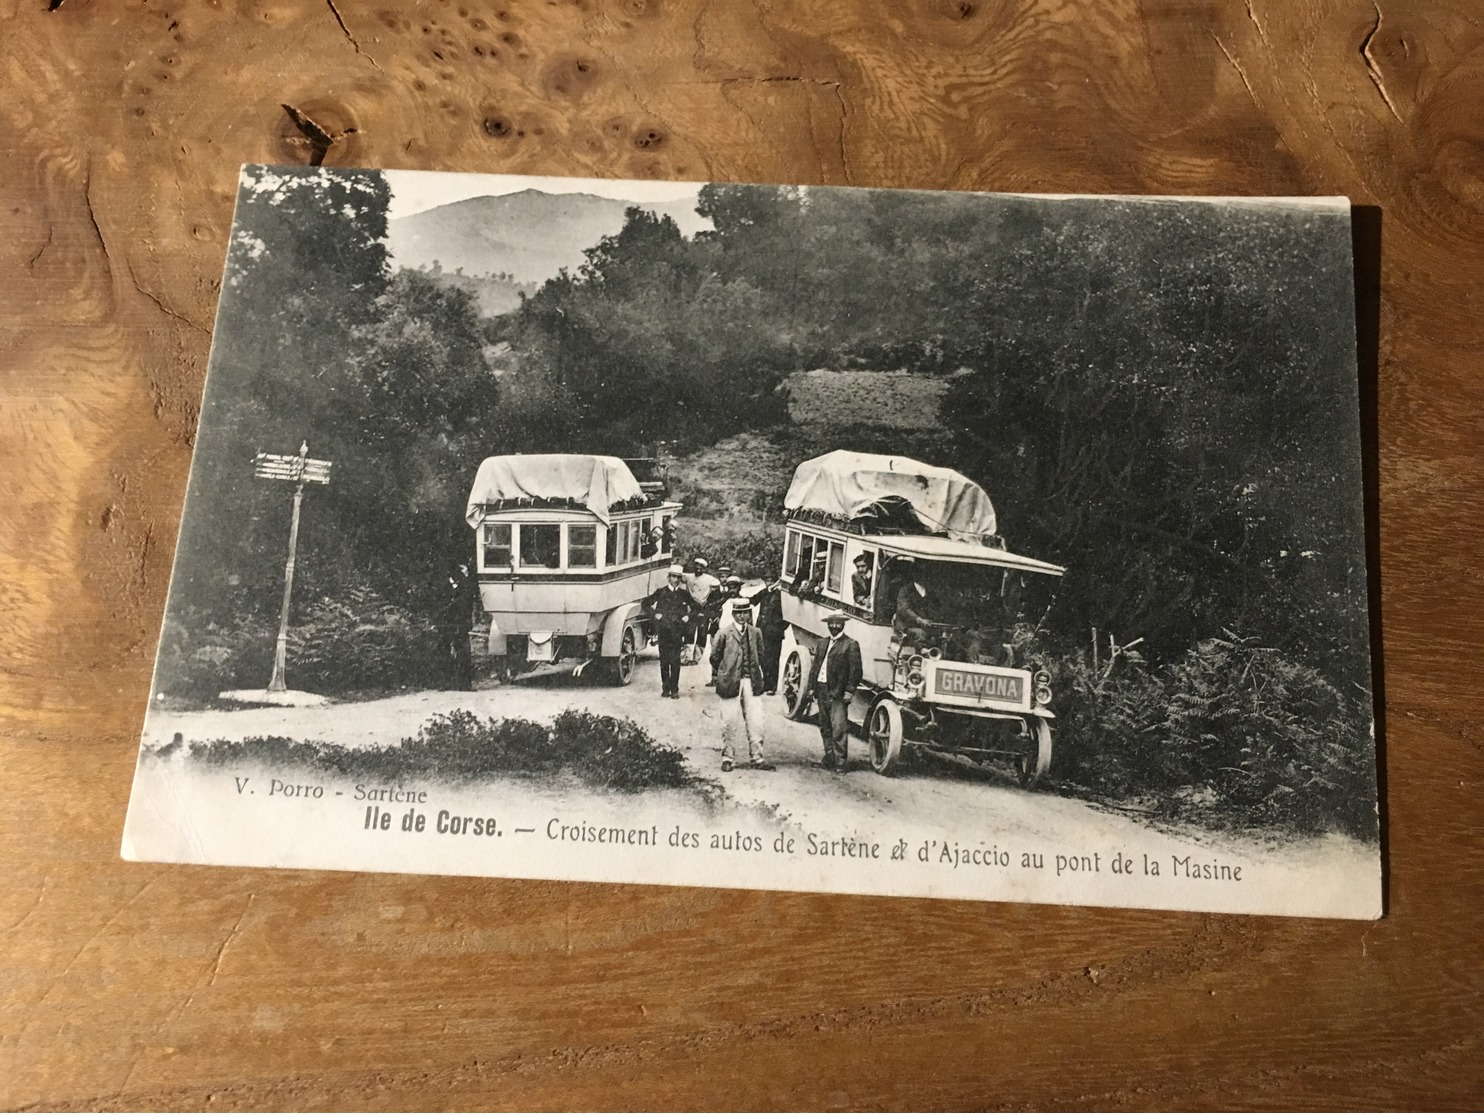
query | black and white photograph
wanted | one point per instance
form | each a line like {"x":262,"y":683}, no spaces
{"x":916,"y":543}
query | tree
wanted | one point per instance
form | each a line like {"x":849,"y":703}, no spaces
{"x":384,"y":376}
{"x":647,"y":341}
{"x":306,"y":264}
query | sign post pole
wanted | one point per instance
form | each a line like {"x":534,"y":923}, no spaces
{"x":281,"y":467}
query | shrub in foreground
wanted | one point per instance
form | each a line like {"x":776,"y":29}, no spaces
{"x":615,"y":752}
{"x":602,"y":751}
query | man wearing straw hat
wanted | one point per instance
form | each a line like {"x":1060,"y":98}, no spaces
{"x":737,"y":659}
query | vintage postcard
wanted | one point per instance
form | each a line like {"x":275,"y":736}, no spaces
{"x":909,"y":543}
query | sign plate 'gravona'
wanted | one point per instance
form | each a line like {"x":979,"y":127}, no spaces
{"x":979,"y":684}
{"x":993,"y":547}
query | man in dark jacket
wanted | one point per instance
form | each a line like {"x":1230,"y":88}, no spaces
{"x":835,"y":679}
{"x":669,"y":607}
{"x":770,"y":622}
{"x":459,"y":611}
{"x":910,"y":622}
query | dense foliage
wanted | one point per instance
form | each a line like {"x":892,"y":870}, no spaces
{"x":1230,"y":733}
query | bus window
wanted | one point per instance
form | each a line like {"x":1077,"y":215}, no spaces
{"x":820,"y":564}
{"x":582,"y":546}
{"x":835,"y":578}
{"x":791,"y":556}
{"x":806,"y":561}
{"x":497,"y":549}
{"x":540,"y":545}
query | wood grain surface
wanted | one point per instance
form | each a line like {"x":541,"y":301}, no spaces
{"x":142,"y":987}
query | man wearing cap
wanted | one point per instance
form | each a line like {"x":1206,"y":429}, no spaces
{"x":767,"y":605}
{"x":835,"y":680}
{"x":669,"y":608}
{"x":702,"y":585}
{"x":736,"y":657}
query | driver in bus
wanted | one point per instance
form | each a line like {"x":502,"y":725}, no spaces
{"x":910,"y":622}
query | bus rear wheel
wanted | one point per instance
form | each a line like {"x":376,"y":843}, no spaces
{"x":793,"y":684}
{"x":621,"y":666}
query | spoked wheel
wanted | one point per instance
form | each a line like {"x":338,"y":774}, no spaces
{"x":884,"y":736}
{"x":794,"y":685}
{"x":1035,"y":761}
{"x":622,"y":665}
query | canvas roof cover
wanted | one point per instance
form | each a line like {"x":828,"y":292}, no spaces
{"x":592,"y":481}
{"x":845,"y":485}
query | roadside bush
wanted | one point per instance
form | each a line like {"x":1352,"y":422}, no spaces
{"x":353,"y":644}
{"x":602,"y":751}
{"x":281,"y":752}
{"x":1271,"y":736}
{"x":614,"y":752}
{"x":358,"y":643}
{"x":460,"y":746}
{"x":1235,"y":731}
{"x":1108,"y":723}
{"x":200,"y":659}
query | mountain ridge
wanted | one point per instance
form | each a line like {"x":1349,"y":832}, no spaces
{"x":528,"y":235}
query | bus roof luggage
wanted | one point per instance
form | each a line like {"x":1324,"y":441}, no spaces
{"x":601,"y":485}
{"x":847,"y":486}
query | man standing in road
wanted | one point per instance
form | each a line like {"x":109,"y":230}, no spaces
{"x":736,"y":657}
{"x":731,"y":590}
{"x":702,"y":586}
{"x":770,"y":622}
{"x":835,"y":681}
{"x":459,"y":610}
{"x":670,"y":609}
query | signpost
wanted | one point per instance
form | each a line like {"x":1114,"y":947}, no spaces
{"x":298,"y":469}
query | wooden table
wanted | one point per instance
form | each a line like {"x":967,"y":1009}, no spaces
{"x":145,"y":986}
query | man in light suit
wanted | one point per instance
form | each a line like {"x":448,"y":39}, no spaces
{"x":835,"y":679}
{"x":737,"y":659}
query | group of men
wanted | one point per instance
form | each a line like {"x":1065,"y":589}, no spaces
{"x":693,"y":604}
{"x":688,"y":610}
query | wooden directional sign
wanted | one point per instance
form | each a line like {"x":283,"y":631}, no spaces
{"x":300,"y":468}
{"x":291,"y":467}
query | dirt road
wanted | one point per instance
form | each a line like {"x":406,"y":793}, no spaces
{"x":939,"y":811}
{"x":691,"y":724}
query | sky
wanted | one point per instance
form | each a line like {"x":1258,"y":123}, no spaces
{"x":416,"y":191}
